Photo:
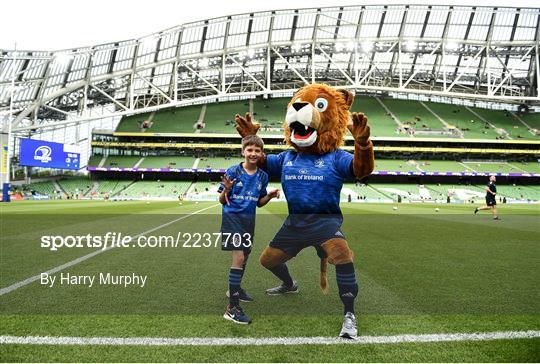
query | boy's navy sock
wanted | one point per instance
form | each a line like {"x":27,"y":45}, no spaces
{"x":282,"y":272}
{"x":347,"y":285}
{"x":235,"y":279}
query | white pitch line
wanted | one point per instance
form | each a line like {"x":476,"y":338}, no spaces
{"x":243,"y":341}
{"x":73,"y":262}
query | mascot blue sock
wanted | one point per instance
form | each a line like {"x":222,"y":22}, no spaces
{"x":348,"y":288}
{"x":282,"y":272}
{"x":235,"y":279}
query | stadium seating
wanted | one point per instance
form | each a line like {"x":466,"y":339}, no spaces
{"x":380,"y":122}
{"x":132,"y":123}
{"x":218,"y":118}
{"x":111,"y":187}
{"x":469,"y":124}
{"x":441,"y":166}
{"x":177,"y":120}
{"x":417,"y":116}
{"x":76,"y":185}
{"x":167,"y":162}
{"x":493,"y":167}
{"x":270,"y":113}
{"x":163,"y":189}
{"x":362,"y":192}
{"x":533,"y":121}
{"x":219,"y":162}
{"x":518,"y":192}
{"x":456,"y":166}
{"x":121,"y":161}
{"x":94,"y":160}
{"x":505,"y":121}
{"x":42,"y":188}
{"x":395,"y":165}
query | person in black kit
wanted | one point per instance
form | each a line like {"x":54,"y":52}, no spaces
{"x":491,"y":202}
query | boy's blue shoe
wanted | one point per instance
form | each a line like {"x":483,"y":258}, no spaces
{"x":244,"y":297}
{"x":236,"y":315}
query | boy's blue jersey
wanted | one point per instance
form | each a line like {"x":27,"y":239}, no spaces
{"x":312,"y":183}
{"x":246,"y":191}
{"x":238,"y":217}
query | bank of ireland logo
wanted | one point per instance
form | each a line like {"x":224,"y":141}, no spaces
{"x":43,"y":154}
{"x":319,"y":163}
{"x":303,"y":171}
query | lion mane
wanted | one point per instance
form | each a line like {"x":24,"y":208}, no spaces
{"x":330,"y":124}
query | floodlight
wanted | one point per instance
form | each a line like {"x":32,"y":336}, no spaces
{"x":451,"y":45}
{"x":203,"y":63}
{"x":410,"y":45}
{"x":62,"y":58}
{"x":296,"y":47}
{"x":367,"y":46}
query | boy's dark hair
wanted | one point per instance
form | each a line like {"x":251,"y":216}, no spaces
{"x":252,"y":140}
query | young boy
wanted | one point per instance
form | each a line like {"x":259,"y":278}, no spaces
{"x":243,"y":188}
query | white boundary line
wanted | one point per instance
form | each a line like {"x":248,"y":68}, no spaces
{"x":73,"y":262}
{"x":242,"y":341}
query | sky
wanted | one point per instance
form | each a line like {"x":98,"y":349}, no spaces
{"x":64,"y":24}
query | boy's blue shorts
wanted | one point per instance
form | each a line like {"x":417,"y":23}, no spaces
{"x":237,"y":232}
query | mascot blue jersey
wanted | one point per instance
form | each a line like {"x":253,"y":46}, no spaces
{"x":312,"y":183}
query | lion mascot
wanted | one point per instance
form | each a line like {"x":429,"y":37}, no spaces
{"x":312,"y":175}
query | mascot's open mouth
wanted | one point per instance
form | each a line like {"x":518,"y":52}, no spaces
{"x":301,"y":131}
{"x":302,"y":135}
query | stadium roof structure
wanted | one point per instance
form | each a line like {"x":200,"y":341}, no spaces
{"x":481,"y":53}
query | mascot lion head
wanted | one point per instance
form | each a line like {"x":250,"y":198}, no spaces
{"x":317,"y":118}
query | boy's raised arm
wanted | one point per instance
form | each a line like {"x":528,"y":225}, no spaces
{"x":266,"y":198}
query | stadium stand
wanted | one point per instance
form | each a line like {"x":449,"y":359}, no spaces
{"x":167,"y":162}
{"x":270,"y":113}
{"x":460,"y":117}
{"x":132,"y":123}
{"x":505,"y":122}
{"x":42,"y":188}
{"x":412,"y":113}
{"x":219,"y":162}
{"x":362,"y":192}
{"x":121,"y":161}
{"x":219,"y":118}
{"x":79,"y":186}
{"x":111,"y":187}
{"x":395,"y":165}
{"x":94,"y":160}
{"x":177,"y":120}
{"x":473,"y":122}
{"x":161,"y":189}
{"x":533,"y":122}
{"x":441,"y":166}
{"x":380,"y":122}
